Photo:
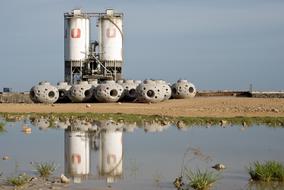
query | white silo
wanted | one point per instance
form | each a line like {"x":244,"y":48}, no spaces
{"x":111,"y":42}
{"x":77,"y":154}
{"x":76,"y":44}
{"x":110,"y":155}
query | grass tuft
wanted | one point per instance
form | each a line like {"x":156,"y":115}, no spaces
{"x":19,"y":180}
{"x":45,"y":169}
{"x":2,"y":127}
{"x":201,"y":180}
{"x":267,"y":171}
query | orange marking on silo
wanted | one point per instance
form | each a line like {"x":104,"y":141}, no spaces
{"x":76,"y":33}
{"x":76,"y":159}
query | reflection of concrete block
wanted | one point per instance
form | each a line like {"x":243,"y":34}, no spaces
{"x":44,"y":92}
{"x":155,"y":127}
{"x":183,"y":89}
{"x":62,"y":124}
{"x":41,"y":123}
{"x":109,"y":91}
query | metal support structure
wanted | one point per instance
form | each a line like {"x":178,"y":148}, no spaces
{"x":95,"y":66}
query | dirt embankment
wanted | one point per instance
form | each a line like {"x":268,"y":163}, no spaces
{"x":196,"y":107}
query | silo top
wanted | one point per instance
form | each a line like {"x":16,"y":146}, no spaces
{"x":77,"y":12}
{"x":109,"y":12}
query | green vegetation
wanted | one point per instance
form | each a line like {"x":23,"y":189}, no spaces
{"x":45,"y":169}
{"x":19,"y":180}
{"x":267,"y":171}
{"x":201,"y":121}
{"x":141,"y":119}
{"x":201,"y":180}
{"x":2,"y":127}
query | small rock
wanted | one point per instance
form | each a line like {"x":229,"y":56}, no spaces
{"x":178,"y":183}
{"x":5,"y":158}
{"x":219,"y":166}
{"x":26,"y":130}
{"x":52,"y":105}
{"x":53,"y":187}
{"x":244,"y":124}
{"x":119,"y":103}
{"x":33,"y":179}
{"x":64,"y":179}
{"x":88,"y":105}
{"x":275,"y":110}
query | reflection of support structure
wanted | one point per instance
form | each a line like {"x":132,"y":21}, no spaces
{"x":86,"y":60}
{"x":77,"y":154}
{"x":110,"y":155}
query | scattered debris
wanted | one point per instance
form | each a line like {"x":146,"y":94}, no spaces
{"x":275,"y":110}
{"x":5,"y":158}
{"x":88,"y":105}
{"x":54,"y":188}
{"x":33,"y":179}
{"x":64,"y":179}
{"x":219,"y":167}
{"x":26,"y":129}
{"x":178,"y":183}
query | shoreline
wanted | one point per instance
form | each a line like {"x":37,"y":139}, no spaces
{"x":195,"y":107}
{"x":196,"y":111}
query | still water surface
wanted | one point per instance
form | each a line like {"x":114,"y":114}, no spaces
{"x":105,"y":154}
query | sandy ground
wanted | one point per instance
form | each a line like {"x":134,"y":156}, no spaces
{"x":200,"y":106}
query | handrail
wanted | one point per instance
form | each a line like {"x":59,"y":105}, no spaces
{"x":101,"y":64}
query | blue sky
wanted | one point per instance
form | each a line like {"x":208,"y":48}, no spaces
{"x":219,"y":44}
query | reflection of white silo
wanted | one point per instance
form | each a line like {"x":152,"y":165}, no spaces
{"x":110,"y":155}
{"x":77,"y":154}
{"x":76,"y":44}
{"x":111,"y":42}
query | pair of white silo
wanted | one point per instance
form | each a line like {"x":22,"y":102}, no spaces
{"x":80,"y":55}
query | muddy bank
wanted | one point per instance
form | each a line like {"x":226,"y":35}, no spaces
{"x":35,"y":183}
{"x":196,"y":107}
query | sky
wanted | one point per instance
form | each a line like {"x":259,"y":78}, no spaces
{"x":215,"y":44}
